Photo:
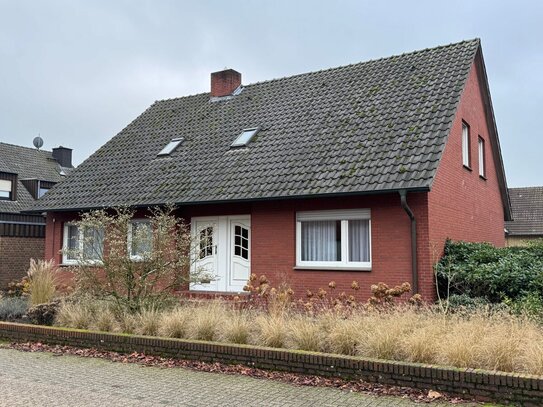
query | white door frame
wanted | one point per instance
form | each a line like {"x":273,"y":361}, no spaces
{"x":223,"y":251}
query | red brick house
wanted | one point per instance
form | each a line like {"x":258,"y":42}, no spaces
{"x":353,"y":173}
{"x":25,"y":175}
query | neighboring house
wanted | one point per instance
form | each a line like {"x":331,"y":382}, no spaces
{"x":353,"y":173}
{"x":527,"y":209}
{"x":25,"y":175}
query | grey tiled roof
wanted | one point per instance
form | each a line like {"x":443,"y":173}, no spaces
{"x":527,"y":206}
{"x":26,"y":163}
{"x":368,"y":127}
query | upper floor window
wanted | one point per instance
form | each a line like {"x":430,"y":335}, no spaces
{"x":8,"y":183}
{"x":6,"y":189}
{"x":466,"y":159}
{"x":482,"y":158}
{"x":334,"y":239}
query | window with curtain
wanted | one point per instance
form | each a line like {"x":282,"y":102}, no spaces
{"x":334,"y":239}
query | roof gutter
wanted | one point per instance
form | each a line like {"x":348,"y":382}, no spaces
{"x":227,"y":201}
{"x":414,"y":272}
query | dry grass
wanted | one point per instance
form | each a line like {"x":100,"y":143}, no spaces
{"x":272,"y":330}
{"x":306,"y":334}
{"x":42,"y":277}
{"x":207,"y":319}
{"x":148,"y":322}
{"x":480,"y":340}
{"x":175,"y":323}
{"x":75,"y":315}
{"x":237,"y":329}
{"x":105,"y":321}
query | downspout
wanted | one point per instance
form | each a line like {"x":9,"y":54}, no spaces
{"x":407,"y":209}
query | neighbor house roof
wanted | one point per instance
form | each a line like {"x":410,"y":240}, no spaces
{"x":369,"y":127}
{"x":27,"y":163}
{"x":527,"y":207}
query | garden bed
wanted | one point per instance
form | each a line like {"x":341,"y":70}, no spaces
{"x":479,"y":384}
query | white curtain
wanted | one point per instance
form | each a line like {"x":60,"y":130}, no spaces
{"x":321,"y":241}
{"x":359,"y":240}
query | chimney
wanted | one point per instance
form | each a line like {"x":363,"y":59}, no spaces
{"x":223,"y":83}
{"x":63,"y":155}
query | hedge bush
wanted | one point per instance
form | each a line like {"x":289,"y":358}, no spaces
{"x":481,"y":270}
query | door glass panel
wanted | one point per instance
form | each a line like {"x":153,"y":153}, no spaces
{"x":241,"y":242}
{"x":206,"y":242}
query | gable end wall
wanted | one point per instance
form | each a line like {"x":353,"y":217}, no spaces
{"x":462,"y":205}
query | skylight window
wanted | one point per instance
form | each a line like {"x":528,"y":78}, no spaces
{"x":245,"y":137}
{"x":171,"y":146}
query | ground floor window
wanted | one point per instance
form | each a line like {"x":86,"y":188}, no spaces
{"x":337,"y":238}
{"x":140,"y":239}
{"x":82,"y":244}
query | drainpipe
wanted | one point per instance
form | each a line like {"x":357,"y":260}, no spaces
{"x":407,"y":209}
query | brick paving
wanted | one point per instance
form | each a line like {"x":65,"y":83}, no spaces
{"x":42,"y":379}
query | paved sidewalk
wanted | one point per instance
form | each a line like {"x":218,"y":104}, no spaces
{"x":42,"y":379}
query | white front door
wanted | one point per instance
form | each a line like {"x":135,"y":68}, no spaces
{"x":223,"y":249}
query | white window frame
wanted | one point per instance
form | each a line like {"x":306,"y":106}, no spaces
{"x":344,"y":215}
{"x":466,"y":145}
{"x":5,"y":183}
{"x":134,"y":257}
{"x":81,"y":241}
{"x":482,"y":157}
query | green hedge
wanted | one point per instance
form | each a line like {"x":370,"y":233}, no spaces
{"x":481,"y":270}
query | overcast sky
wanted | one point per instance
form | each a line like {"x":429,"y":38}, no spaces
{"x":77,"y":72}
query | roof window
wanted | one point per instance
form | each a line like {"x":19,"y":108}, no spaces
{"x":171,"y":146}
{"x":245,"y":137}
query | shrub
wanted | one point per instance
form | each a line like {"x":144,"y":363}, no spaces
{"x":44,"y":314}
{"x":12,"y":308}
{"x":481,"y":270}
{"x":19,"y":288}
{"x":42,"y":277}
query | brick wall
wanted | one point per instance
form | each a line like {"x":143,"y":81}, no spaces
{"x":462,"y":205}
{"x":15,"y":255}
{"x":273,"y":243}
{"x":479,"y":384}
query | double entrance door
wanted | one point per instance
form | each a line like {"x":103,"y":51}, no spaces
{"x":223,"y":250}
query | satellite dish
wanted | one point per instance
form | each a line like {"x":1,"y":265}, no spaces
{"x":38,"y":142}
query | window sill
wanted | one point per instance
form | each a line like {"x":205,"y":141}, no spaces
{"x":331,"y":268}
{"x":467,"y":167}
{"x":482,"y":177}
